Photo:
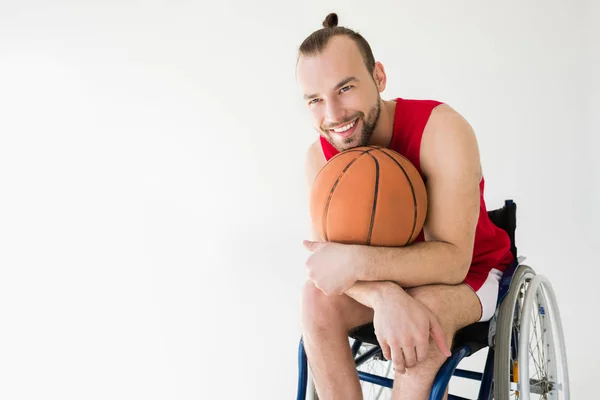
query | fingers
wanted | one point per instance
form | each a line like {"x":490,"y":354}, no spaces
{"x":438,"y":336}
{"x":312,"y":245}
{"x":385,"y":349}
{"x":393,"y":355}
{"x":422,"y":350}
{"x":308,"y":244}
{"x":410,"y":356}
{"x":398,"y":359}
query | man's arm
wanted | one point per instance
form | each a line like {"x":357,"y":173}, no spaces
{"x":366,"y":293}
{"x":450,"y":162}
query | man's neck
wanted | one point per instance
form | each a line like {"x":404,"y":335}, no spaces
{"x":382,"y":135}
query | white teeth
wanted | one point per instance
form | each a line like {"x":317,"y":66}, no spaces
{"x":345,"y":127}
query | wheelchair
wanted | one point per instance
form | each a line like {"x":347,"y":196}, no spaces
{"x":526,"y":351}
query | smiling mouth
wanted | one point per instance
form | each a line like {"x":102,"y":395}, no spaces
{"x":344,"y":128}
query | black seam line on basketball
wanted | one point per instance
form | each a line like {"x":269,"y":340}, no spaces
{"x":325,"y":211}
{"x":347,"y":151}
{"x":375,"y":195}
{"x":344,"y":152}
{"x":412,"y":189}
{"x":340,"y":153}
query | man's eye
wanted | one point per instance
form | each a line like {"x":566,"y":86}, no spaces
{"x":313,"y":101}
{"x":345,"y":88}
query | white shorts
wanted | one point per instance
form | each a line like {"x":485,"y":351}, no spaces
{"x":488,"y":294}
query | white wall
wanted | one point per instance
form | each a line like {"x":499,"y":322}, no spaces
{"x":593,"y":118}
{"x":152,"y":203}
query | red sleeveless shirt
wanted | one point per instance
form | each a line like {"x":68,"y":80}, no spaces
{"x":492,"y":244}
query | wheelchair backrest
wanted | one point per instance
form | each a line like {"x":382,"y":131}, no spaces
{"x":506,"y":219}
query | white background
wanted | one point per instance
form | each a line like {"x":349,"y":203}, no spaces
{"x":152,"y":201}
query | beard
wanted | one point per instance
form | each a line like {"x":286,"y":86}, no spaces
{"x":357,"y":139}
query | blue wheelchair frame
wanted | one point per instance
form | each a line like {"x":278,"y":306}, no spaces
{"x":504,"y":218}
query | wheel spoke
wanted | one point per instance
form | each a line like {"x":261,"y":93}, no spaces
{"x":529,"y":336}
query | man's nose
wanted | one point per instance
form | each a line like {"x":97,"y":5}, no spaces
{"x":334,"y":113}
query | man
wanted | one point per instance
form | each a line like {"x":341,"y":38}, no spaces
{"x":417,"y":296}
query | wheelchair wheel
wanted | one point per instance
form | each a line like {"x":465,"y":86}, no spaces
{"x":530,"y":357}
{"x":375,"y":365}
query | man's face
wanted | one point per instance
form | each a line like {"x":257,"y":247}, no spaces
{"x":340,"y":93}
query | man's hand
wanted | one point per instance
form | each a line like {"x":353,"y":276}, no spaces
{"x":403,"y":326}
{"x":331,"y":266}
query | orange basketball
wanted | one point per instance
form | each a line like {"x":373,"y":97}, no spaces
{"x":368,"y":195}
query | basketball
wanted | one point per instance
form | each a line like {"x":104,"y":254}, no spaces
{"x":368,"y":195}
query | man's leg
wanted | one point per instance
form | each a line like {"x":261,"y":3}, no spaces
{"x":455,"y":307}
{"x":326,"y":321}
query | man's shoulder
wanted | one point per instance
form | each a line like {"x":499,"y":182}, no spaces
{"x":314,"y":160}
{"x":314,"y":152}
{"x":412,"y":115}
{"x":447,"y":138}
{"x":444,"y":119}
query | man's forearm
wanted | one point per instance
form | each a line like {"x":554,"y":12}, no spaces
{"x":422,"y":263}
{"x":370,"y":293}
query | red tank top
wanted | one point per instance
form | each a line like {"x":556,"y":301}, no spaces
{"x":492,"y":244}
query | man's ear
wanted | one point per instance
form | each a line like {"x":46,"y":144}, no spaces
{"x":379,"y":76}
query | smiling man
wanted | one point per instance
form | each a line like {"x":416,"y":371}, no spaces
{"x":416,"y":296}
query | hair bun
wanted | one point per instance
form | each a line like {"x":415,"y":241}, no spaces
{"x":330,"y":21}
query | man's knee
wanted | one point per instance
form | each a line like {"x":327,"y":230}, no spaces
{"x":336,"y":312}
{"x":318,"y":310}
{"x":432,"y":297}
{"x":453,"y":306}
